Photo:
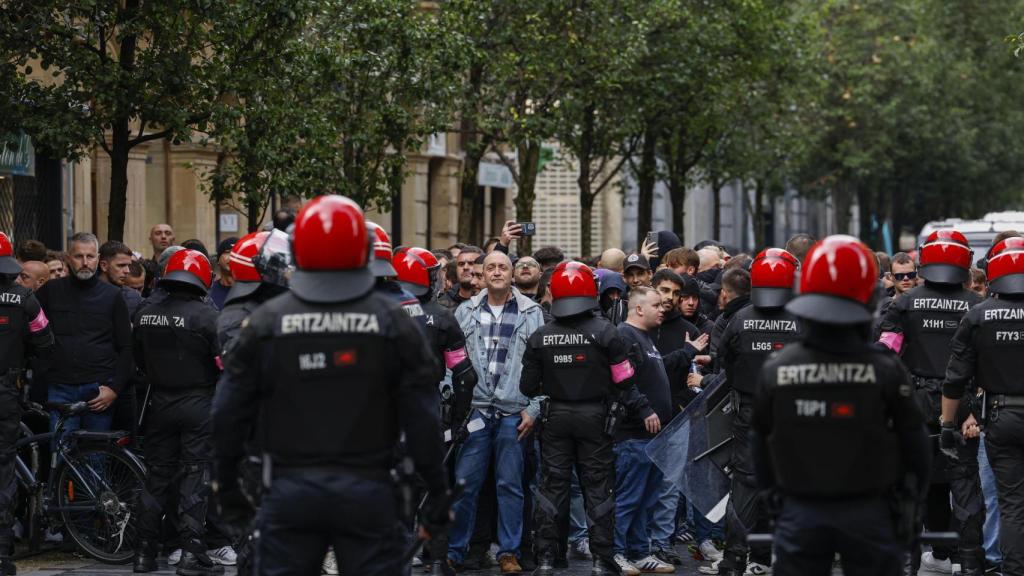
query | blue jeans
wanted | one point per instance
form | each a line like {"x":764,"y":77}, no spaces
{"x":637,"y":488}
{"x":67,"y":393}
{"x":498,"y":440}
{"x":577,"y":512}
{"x":988,"y":488}
{"x":662,"y":526}
{"x":704,"y":529}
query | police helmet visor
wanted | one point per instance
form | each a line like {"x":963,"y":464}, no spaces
{"x":1009,"y":284}
{"x":770,"y":297}
{"x":944,"y":273}
{"x":331,"y":286}
{"x":9,"y":265}
{"x":240,"y":290}
{"x":829,"y":309}
{"x":572,"y":305}
{"x":274,"y":260}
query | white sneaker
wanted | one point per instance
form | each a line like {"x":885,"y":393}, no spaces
{"x":755,"y":569}
{"x":713,"y":569}
{"x":931,"y":564}
{"x":417,"y":562}
{"x":330,"y":565}
{"x":225,"y":556}
{"x":625,"y":566}
{"x":709,"y":552}
{"x":581,"y":549}
{"x":174,"y":557}
{"x":652,"y":565}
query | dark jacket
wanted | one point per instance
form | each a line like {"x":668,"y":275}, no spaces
{"x":93,"y":332}
{"x":651,"y":393}
{"x":669,"y":337}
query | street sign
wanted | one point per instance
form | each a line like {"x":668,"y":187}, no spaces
{"x":494,"y":175}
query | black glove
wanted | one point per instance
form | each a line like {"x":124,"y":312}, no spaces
{"x":464,"y":379}
{"x":948,"y":440}
{"x":437,"y":512}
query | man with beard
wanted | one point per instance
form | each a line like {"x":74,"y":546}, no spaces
{"x":527,"y":277}
{"x":92,"y":358}
{"x":467,"y":288}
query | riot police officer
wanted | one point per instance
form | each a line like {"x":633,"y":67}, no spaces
{"x":415,"y":273}
{"x":753,"y":333}
{"x":416,"y":268}
{"x":26,"y":332}
{"x":259,"y":263}
{"x":576,"y":361}
{"x":988,"y":347}
{"x":383,"y":269}
{"x":336,"y":371}
{"x":835,"y":425}
{"x":919,"y":326}
{"x":176,"y":348}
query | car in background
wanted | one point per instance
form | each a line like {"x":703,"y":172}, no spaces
{"x":979,"y":232}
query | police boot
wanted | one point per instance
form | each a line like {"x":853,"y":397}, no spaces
{"x":145,"y":558}
{"x":197,"y":564}
{"x":605,"y":567}
{"x":545,"y":565}
{"x":972,"y":561}
{"x":442,"y":568}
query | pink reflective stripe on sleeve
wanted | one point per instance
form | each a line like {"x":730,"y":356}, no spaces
{"x":39,"y":323}
{"x":219,"y":362}
{"x":893,"y":340}
{"x":621,"y":371}
{"x":452,"y":358}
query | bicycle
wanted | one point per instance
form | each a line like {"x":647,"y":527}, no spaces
{"x":94,"y":488}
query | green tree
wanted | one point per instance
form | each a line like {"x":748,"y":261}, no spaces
{"x":119,"y":73}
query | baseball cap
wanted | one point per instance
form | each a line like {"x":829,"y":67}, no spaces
{"x":636,"y":261}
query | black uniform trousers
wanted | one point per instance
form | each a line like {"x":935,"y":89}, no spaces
{"x":808,"y":534}
{"x":574,"y":434}
{"x":744,"y":512}
{"x":10,"y":418}
{"x":178,"y":452}
{"x":305,"y":510}
{"x":1004,"y":443}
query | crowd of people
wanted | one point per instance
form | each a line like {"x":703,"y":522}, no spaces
{"x":549,"y":376}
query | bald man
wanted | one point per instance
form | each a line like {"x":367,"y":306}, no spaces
{"x":612,"y":259}
{"x":33,"y":275}
{"x":161,"y":236}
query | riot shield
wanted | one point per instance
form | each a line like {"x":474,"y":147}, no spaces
{"x":694,"y":450}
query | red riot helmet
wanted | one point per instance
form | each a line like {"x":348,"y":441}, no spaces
{"x":838,"y":282}
{"x":772,"y":276}
{"x":380,"y":263}
{"x":247,"y":277}
{"x":189,"y":267}
{"x":329,"y":247}
{"x":946,"y":258}
{"x":426,"y":255}
{"x":573,"y":289}
{"x":1006,"y":267}
{"x":429,"y":260}
{"x":412,"y":273}
{"x":8,"y":264}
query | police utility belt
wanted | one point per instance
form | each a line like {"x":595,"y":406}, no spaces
{"x":997,"y":401}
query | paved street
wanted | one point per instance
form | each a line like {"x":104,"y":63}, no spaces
{"x":53,"y":563}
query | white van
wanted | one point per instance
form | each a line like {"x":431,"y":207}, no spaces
{"x":979,"y":232}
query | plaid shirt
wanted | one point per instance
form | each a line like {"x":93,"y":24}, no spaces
{"x":498,"y":332}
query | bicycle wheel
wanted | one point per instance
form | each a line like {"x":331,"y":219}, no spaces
{"x":98,"y":494}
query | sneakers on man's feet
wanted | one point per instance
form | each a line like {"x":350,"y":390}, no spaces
{"x":708,"y":552}
{"x":625,"y":566}
{"x":581,"y":549}
{"x":225,"y":556}
{"x":669,"y":556}
{"x":509,"y":564}
{"x":712,"y":569}
{"x":685,"y":537}
{"x":651,"y":565}
{"x":757,"y":569}
{"x":330,"y":564}
{"x":929,"y":563}
{"x":174,"y":557}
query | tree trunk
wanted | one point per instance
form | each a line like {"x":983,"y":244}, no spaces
{"x":759,"y":215}
{"x":716,"y":194}
{"x":468,"y":193}
{"x":678,"y":169}
{"x":841,"y":201}
{"x":118,"y":180}
{"x":585,"y":160}
{"x":120,"y":133}
{"x":529,"y":161}
{"x":867,"y":232}
{"x":646,"y":180}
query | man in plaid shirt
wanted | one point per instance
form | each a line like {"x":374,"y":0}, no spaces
{"x":497,"y":322}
